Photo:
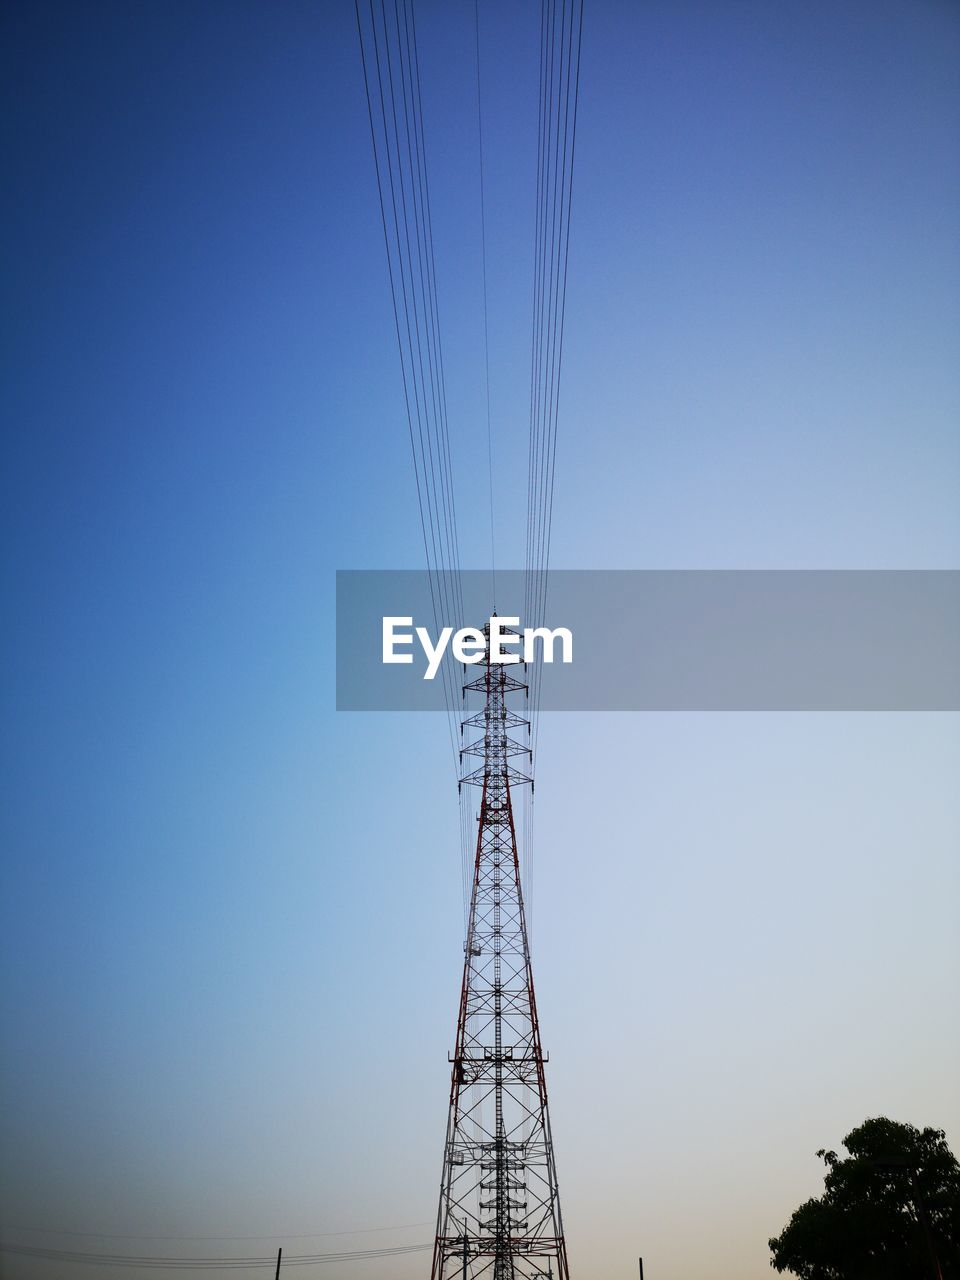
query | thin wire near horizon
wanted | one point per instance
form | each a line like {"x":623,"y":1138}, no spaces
{"x":154,"y":1263}
{"x":266,"y":1235}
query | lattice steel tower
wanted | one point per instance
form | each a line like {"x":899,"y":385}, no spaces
{"x":499,"y":1213}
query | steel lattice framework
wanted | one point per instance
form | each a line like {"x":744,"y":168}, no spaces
{"x":499,"y":1212}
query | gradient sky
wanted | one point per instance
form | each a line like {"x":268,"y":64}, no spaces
{"x":231,"y":918}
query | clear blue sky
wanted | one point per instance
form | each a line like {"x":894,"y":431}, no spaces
{"x":230,"y":917}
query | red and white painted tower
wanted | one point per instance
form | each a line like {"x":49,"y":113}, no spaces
{"x":499,"y":1212}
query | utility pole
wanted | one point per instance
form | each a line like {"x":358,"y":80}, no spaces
{"x":279,"y":1253}
{"x":499,"y":1174}
{"x":641,"y":1269}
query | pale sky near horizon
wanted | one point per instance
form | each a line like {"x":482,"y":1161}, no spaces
{"x":231,"y":931}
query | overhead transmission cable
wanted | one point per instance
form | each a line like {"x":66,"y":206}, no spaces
{"x":468,"y":825}
{"x":278,"y":1235}
{"x":561,"y":29}
{"x":151,"y":1263}
{"x":391,"y":74}
{"x":486,"y":338}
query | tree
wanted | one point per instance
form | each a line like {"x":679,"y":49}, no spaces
{"x":890,"y":1211}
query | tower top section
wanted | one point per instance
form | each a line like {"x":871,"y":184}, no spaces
{"x":496,"y":748}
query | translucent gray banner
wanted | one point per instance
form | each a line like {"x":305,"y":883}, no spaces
{"x":671,"y":640}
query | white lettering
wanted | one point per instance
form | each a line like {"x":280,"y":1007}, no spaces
{"x":498,"y":639}
{"x":469,"y":645}
{"x":434,"y":655}
{"x":390,"y":639}
{"x":531,"y":634}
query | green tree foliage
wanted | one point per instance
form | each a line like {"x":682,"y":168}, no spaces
{"x":890,"y":1211}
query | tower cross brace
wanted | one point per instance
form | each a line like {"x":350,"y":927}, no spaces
{"x":499,"y":1213}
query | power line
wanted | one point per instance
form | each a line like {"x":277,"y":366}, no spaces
{"x":558,"y":134}
{"x":153,"y":1263}
{"x":486,"y":339}
{"x":561,"y":31}
{"x":559,"y":70}
{"x":279,"y":1235}
{"x":391,"y":74}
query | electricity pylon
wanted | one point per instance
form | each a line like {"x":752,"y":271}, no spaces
{"x":499,"y":1214}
